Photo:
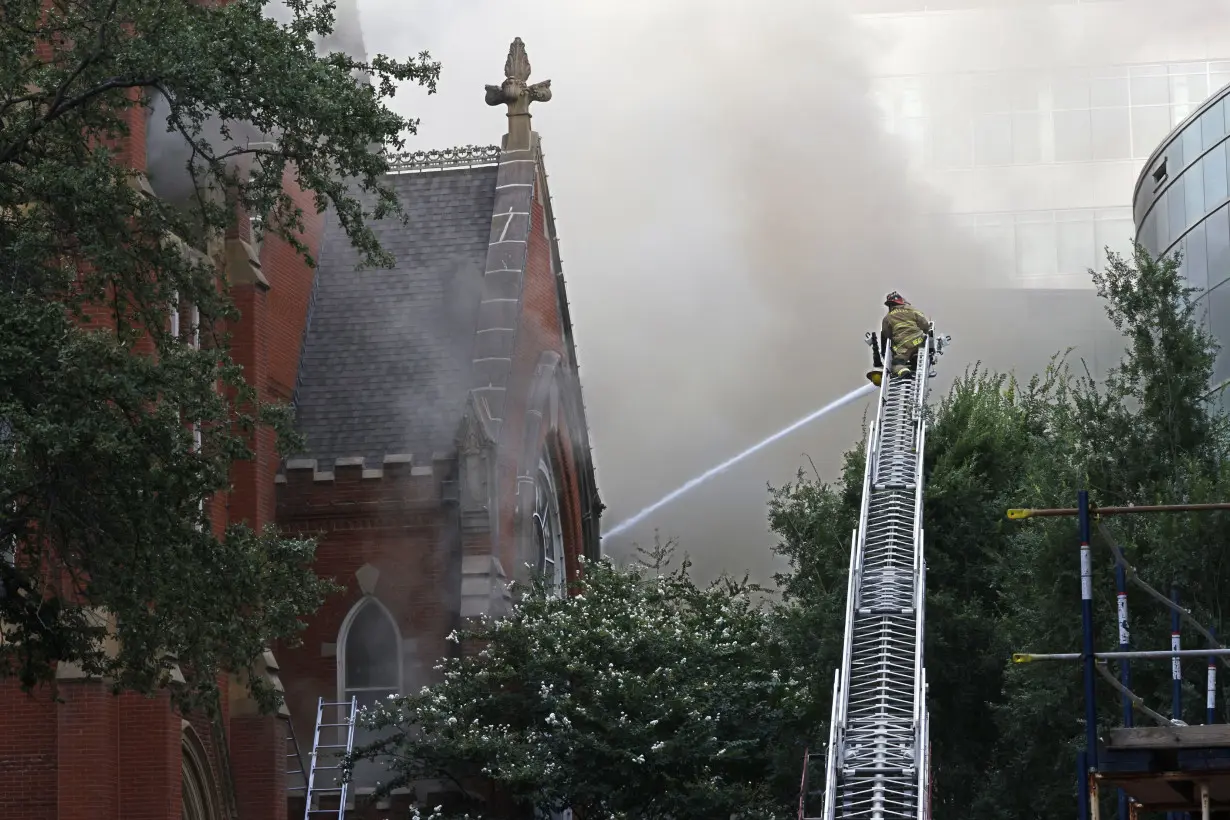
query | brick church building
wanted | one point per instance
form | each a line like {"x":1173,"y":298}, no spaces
{"x":446,"y":454}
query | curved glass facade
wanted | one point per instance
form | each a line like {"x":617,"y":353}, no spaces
{"x":1182,"y":203}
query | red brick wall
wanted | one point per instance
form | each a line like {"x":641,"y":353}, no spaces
{"x":252,"y":495}
{"x":290,"y":281}
{"x":88,"y":769}
{"x":91,"y":756}
{"x":149,"y":747}
{"x":259,"y":764}
{"x":539,"y":331}
{"x":28,"y":745}
{"x":395,"y":523}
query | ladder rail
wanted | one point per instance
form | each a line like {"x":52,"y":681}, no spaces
{"x":920,"y":564}
{"x":860,"y":533}
{"x":354,"y":713}
{"x":830,"y":756}
{"x":311,"y":782}
{"x":852,"y":583}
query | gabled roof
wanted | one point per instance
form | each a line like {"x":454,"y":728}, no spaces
{"x":386,"y":361}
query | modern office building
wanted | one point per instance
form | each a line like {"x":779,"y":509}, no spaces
{"x":1032,"y":119}
{"x":1180,"y":203}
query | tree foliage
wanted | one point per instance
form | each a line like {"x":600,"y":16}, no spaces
{"x":101,"y":486}
{"x":642,"y":695}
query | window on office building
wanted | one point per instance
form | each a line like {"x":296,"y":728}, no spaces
{"x":1073,"y":115}
{"x":1044,"y":245}
{"x":1217,"y":247}
{"x":1219,"y":326}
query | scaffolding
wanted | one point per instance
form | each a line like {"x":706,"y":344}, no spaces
{"x":1173,"y":767}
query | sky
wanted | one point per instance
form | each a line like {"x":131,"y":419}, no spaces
{"x":731,"y":212}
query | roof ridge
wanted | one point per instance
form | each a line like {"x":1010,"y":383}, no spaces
{"x":462,"y":156}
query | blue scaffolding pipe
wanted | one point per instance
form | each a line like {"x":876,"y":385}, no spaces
{"x":1125,"y":666}
{"x":1210,"y":705}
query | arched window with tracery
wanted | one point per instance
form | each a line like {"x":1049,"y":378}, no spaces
{"x":549,"y":560}
{"x":370,"y":669}
{"x":197,"y":787}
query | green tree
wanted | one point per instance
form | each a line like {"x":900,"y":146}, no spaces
{"x":1004,"y":737}
{"x":101,"y":486}
{"x":643,"y":695}
{"x":1145,"y":435}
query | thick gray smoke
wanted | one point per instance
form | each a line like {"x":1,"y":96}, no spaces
{"x":168,"y":152}
{"x":731,"y":213}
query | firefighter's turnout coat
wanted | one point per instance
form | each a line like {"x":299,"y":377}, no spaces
{"x":906,"y":325}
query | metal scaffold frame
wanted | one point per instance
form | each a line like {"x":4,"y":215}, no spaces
{"x":878,"y":760}
{"x":1196,"y":741}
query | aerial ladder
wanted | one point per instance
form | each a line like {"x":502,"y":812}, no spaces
{"x":877,"y":765}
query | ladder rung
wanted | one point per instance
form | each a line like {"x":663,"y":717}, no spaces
{"x":324,"y":768}
{"x":332,"y":746}
{"x":896,"y":771}
{"x":337,"y":703}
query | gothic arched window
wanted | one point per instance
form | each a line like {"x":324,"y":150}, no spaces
{"x":369,"y":669}
{"x":371,"y":655}
{"x":548,"y":532}
{"x":197,"y":788}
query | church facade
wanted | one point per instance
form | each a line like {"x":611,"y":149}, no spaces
{"x":446,"y":454}
{"x":447,"y":449}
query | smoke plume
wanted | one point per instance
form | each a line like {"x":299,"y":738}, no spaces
{"x":731,"y":212}
{"x":168,"y":152}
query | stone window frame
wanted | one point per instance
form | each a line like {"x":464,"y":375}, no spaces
{"x":199,"y":793}
{"x":363,"y":782}
{"x":343,"y":635}
{"x":548,"y":522}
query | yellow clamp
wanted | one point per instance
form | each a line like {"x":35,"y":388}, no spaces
{"x":1017,"y":515}
{"x":1021,"y":657}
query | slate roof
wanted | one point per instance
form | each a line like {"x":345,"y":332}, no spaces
{"x":385,"y":365}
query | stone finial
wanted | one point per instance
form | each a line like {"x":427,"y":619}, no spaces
{"x":517,"y":94}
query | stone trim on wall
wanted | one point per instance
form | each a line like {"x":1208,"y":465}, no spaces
{"x":396,"y":465}
{"x":495,"y":336}
{"x":484,"y":587}
{"x":539,"y":421}
{"x":573,"y":398}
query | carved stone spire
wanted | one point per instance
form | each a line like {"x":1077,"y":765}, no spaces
{"x":517,"y":94}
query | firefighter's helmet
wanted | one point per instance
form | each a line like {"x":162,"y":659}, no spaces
{"x":894,"y":299}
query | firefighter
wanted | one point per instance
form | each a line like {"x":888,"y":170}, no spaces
{"x":906,"y":326}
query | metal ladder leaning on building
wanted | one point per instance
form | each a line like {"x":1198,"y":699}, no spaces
{"x":878,"y":761}
{"x":347,"y":710}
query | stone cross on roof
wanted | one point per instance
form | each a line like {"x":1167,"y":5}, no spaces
{"x":517,"y":94}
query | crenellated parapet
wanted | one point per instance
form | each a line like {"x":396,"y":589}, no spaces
{"x":363,"y":487}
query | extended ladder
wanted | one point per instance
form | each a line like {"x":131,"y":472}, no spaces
{"x":335,"y":786}
{"x":878,"y":761}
